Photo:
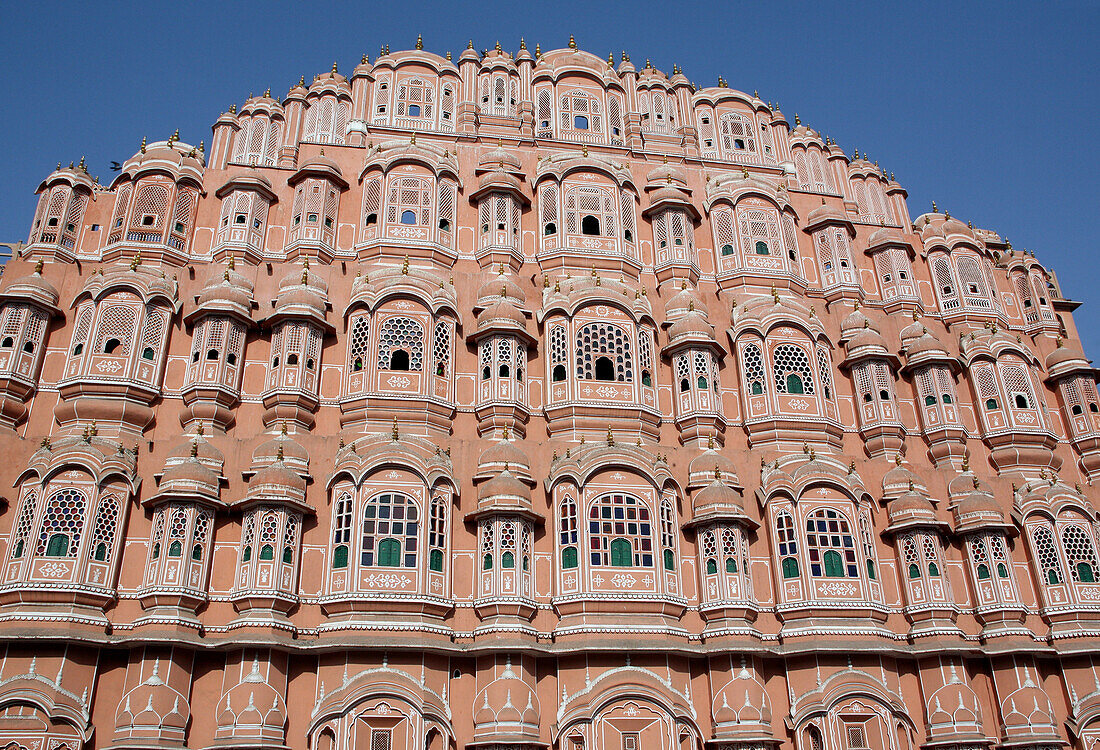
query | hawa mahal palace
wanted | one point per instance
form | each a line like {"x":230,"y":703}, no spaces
{"x":536,"y":400}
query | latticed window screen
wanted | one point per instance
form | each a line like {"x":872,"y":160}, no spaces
{"x":1017,"y":383}
{"x":974,"y":287}
{"x":1046,"y":554}
{"x":620,"y":532}
{"x":290,"y":537}
{"x":548,"y":208}
{"x":557,"y":344}
{"x":724,"y":242}
{"x":754,"y":369}
{"x":579,"y":104}
{"x":567,"y":522}
{"x":626,"y":201}
{"x":152,"y":201}
{"x":116,"y":322}
{"x":709,"y":546}
{"x":389,"y":520}
{"x":152,"y":332}
{"x":596,"y":340}
{"x":829,"y":545}
{"x":737,"y":133}
{"x":790,"y":360}
{"x":22,"y":530}
{"x":415,"y":98}
{"x":409,"y":201}
{"x":583,"y":201}
{"x":359,"y":343}
{"x":103,"y":530}
{"x":64,"y":516}
{"x":945,"y":283}
{"x":759,"y":225}
{"x":402,"y":333}
{"x":1077,"y":544}
{"x":825,"y":370}
{"x":441,"y":347}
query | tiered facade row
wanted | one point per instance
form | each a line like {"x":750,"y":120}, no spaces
{"x":536,"y":401}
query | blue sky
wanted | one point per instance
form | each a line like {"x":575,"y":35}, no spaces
{"x":989,"y":108}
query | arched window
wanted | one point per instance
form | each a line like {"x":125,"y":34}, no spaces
{"x":590,"y":210}
{"x":408,"y":217}
{"x":103,"y":530}
{"x":790,"y":360}
{"x":62,"y":524}
{"x":341,"y":531}
{"x":390,"y":531}
{"x":828,"y":531}
{"x":596,"y":341}
{"x":788,"y":545}
{"x":567,"y":533}
{"x":404,"y":336}
{"x":590,"y":225}
{"x":437,"y":534}
{"x":22,"y":530}
{"x":668,"y":535}
{"x":620,"y":532}
{"x":1046,"y":555}
{"x":605,"y":369}
{"x":1078,"y":547}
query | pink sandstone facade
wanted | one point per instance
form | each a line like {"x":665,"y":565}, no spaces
{"x":536,"y":401}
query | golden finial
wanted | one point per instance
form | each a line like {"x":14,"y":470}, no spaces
{"x":966,"y":462}
{"x":194,"y":448}
{"x":806,"y":448}
{"x":279,"y":456}
{"x":199,"y":430}
{"x":334,"y":67}
{"x":584,"y":150}
{"x":498,"y":46}
{"x":81,"y":166}
{"x":38,"y":269}
{"x":46,"y":443}
{"x":910,"y":485}
{"x":572,"y":42}
{"x":775,"y":294}
{"x":538,"y":50}
{"x":95,"y":430}
{"x":143,"y":139}
{"x":934,"y":209}
{"x":897,"y":459}
{"x":710,"y":443}
{"x":813,"y":454}
{"x":405,"y":266}
{"x":394,"y":432}
{"x":797,"y":121}
{"x":610,"y":59}
{"x":412,"y":140}
{"x":610,"y":437}
{"x":744,"y":172}
{"x":135,"y":262}
{"x":522,"y":43}
{"x":419,"y":42}
{"x":448,"y":55}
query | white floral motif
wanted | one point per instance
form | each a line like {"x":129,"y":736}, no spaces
{"x":387,"y":580}
{"x":837,"y":588}
{"x":623,"y":580}
{"x":398,"y":381}
{"x":800,"y":404}
{"x":54,"y":570}
{"x":109,"y":365}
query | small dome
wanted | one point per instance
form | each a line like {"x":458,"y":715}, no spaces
{"x":502,"y":285}
{"x":502,"y":313}
{"x":503,"y":453}
{"x":702,"y":467}
{"x":909,"y":504}
{"x":925,"y":344}
{"x":691,"y":325}
{"x":978,"y":502}
{"x":499,"y":158}
{"x":190,"y":472}
{"x":504,"y":485}
{"x":500,"y":181}
{"x":899,"y":476}
{"x":1065,"y":358}
{"x":683,"y":301}
{"x":825,"y":213}
{"x":278,"y":477}
{"x":281,"y":447}
{"x":715,"y":495}
{"x":866,"y":337}
{"x":204,"y":451}
{"x":34,"y":288}
{"x":854,"y":321}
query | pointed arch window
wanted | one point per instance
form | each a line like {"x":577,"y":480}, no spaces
{"x":401,"y":343}
{"x":62,"y":524}
{"x":792,"y":371}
